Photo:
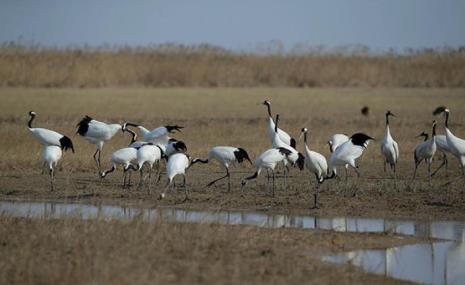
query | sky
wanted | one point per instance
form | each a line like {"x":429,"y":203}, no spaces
{"x":236,"y":24}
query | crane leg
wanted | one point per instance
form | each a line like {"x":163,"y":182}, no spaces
{"x":52,"y":178}
{"x":415,"y":171}
{"x":141,"y":176}
{"x":273,"y":178}
{"x":124,"y":179}
{"x":95,"y":158}
{"x":158,"y":172}
{"x":444,"y":163}
{"x":185,"y":189}
{"x":315,"y":196}
{"x":429,"y":172}
{"x":150,"y":177}
{"x":286,"y":176}
{"x":43,"y":167}
{"x":384,"y":166}
{"x":221,"y":178}
{"x":167,"y":187}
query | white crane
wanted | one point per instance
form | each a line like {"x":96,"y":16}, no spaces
{"x":96,"y":132}
{"x":178,"y":164}
{"x":125,"y":157}
{"x":336,"y":140}
{"x":148,"y":154}
{"x":425,"y":151}
{"x":51,"y":155}
{"x":225,"y":155}
{"x":158,"y":135}
{"x":455,"y":144}
{"x":348,"y":152}
{"x":389,"y":147}
{"x":316,"y":163}
{"x":268,"y":160}
{"x":285,"y":137}
{"x":295,"y":158}
{"x":48,"y":137}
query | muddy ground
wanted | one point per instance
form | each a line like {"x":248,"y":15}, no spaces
{"x":357,"y":197}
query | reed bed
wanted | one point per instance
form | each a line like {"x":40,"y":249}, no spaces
{"x":178,"y":66}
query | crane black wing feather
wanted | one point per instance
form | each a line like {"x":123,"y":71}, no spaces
{"x":284,"y":151}
{"x":83,"y":125}
{"x":360,"y":139}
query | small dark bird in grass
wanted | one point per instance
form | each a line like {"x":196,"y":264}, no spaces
{"x":365,"y":111}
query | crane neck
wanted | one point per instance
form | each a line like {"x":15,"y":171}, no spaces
{"x":269,"y":110}
{"x":387,"y":119}
{"x":305,"y":138}
{"x":434,"y":131}
{"x":29,"y":124}
{"x":276,"y":124}
{"x":447,"y":120}
{"x":387,"y":132}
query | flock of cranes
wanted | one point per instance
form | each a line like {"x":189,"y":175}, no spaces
{"x":157,"y":145}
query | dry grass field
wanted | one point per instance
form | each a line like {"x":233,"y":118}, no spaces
{"x":188,"y":66}
{"x":100,"y":252}
{"x":236,"y":117}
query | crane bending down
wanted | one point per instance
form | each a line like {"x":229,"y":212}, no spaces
{"x":268,"y":160}
{"x":178,"y":164}
{"x":124,"y":157}
{"x":226,"y":156}
{"x":348,"y":152}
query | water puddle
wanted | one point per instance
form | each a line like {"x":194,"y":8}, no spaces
{"x":430,"y":263}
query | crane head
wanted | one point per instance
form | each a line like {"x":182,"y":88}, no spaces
{"x":171,"y":129}
{"x":389,"y":113}
{"x":440,"y":109}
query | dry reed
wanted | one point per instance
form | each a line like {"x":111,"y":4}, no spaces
{"x":209,"y":67}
